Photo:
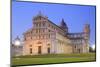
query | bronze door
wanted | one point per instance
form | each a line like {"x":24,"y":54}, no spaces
{"x":39,"y":49}
{"x":48,"y":50}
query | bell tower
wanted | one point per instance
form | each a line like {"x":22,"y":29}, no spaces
{"x":64,"y":26}
{"x":87,"y":31}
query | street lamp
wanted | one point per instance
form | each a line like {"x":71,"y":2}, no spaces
{"x":93,"y":47}
{"x":17,"y":44}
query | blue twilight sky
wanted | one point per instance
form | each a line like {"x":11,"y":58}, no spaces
{"x":75,"y":16}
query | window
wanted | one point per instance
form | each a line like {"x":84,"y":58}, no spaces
{"x":49,"y":25}
{"x":48,"y":44}
{"x":43,"y":30}
{"x":31,"y":37}
{"x":39,"y":30}
{"x":75,"y":46}
{"x":36,"y":30}
{"x":39,"y":42}
{"x":25,"y":38}
{"x":52,"y":27}
{"x":36,"y":25}
{"x":49,"y":30}
{"x":30,"y":45}
{"x":43,"y":24}
{"x":31,"y":32}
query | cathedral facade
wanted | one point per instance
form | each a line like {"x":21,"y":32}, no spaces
{"x":45,"y":37}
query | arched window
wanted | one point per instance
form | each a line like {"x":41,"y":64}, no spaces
{"x":30,"y":45}
{"x":25,"y":38}
{"x":36,"y":24}
{"x":43,"y":24}
{"x":31,"y":37}
{"x":39,"y":42}
{"x":36,"y":30}
{"x":75,"y":46}
{"x":49,"y":25}
{"x":49,"y":30}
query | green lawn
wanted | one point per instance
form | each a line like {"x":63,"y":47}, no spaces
{"x":52,"y":58}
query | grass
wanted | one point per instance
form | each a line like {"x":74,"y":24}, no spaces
{"x":52,"y":58}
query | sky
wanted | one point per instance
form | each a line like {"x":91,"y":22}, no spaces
{"x":75,"y":16}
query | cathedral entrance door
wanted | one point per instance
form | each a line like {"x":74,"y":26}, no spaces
{"x":39,"y":49}
{"x":48,"y":50}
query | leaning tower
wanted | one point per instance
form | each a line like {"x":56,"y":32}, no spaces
{"x":86,"y":37}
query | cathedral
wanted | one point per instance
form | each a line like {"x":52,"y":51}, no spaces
{"x":45,"y":37}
